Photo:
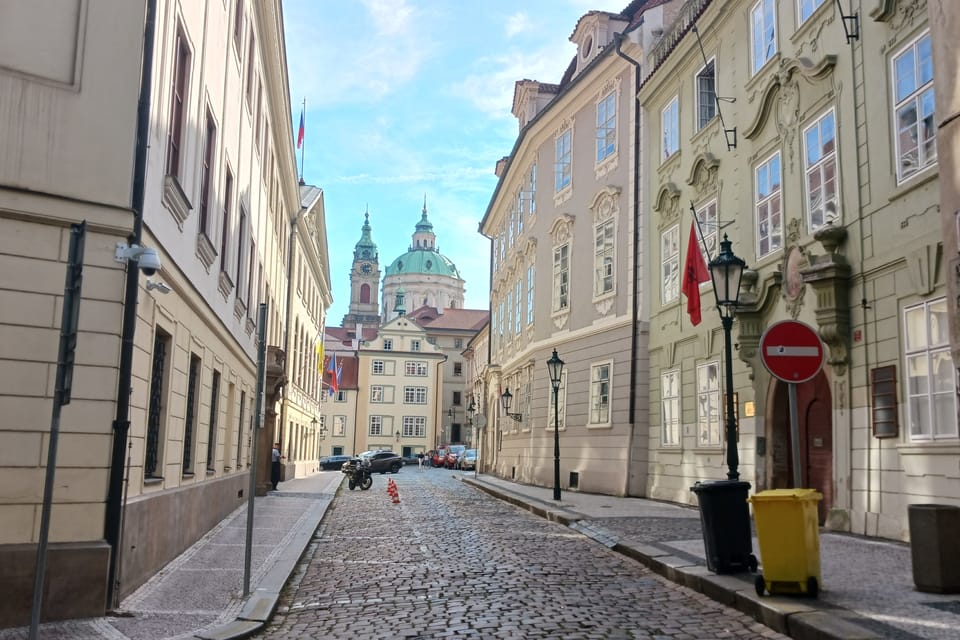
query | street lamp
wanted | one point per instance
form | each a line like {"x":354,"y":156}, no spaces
{"x":555,"y":366}
{"x":506,"y":399}
{"x":726,"y":269}
{"x":471,"y":408}
{"x":452,"y":414}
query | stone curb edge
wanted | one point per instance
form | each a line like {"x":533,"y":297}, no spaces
{"x":801,"y":619}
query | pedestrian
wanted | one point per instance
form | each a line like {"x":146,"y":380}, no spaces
{"x":275,"y":459}
{"x":420,"y":460}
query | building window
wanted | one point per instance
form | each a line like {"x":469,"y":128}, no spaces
{"x":603,"y":258}
{"x":341,"y":396}
{"x":767,"y":206}
{"x":458,"y":343}
{"x":531,"y":271}
{"x":376,"y":426}
{"x":670,"y":123}
{"x":339,"y":425}
{"x":561,"y":397}
{"x":508,"y":307}
{"x":414,"y":345}
{"x":532,"y":186}
{"x":190,"y":420}
{"x":153,"y":451}
{"x":563,"y":166}
{"x":212,"y":428}
{"x":708,"y":404}
{"x":414,"y":395}
{"x":376,"y":393}
{"x":251,"y":49}
{"x":807,"y":7}
{"x":670,"y":264}
{"x":607,"y":126}
{"x":931,"y":377}
{"x":414,"y":427}
{"x":914,"y":128}
{"x":388,"y":344}
{"x":670,"y":398}
{"x":457,"y":398}
{"x":706,"y":94}
{"x":377,"y":368}
{"x":458,"y":369}
{"x":709,"y":228}
{"x":820,"y":160}
{"x":518,"y":301}
{"x":225,"y":229}
{"x":206,"y":181}
{"x":561,"y":277}
{"x":763,"y":32}
{"x":241,"y":228}
{"x":181,"y":70}
{"x":414,"y":368}
{"x":600,"y":393}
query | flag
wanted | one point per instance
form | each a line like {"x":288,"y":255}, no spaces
{"x":300,"y":132}
{"x":334,"y":375}
{"x":694,"y":272}
{"x":319,"y":349}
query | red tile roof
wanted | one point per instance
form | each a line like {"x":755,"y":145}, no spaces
{"x":462,"y":319}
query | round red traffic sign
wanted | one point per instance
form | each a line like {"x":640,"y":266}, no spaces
{"x":791,"y":351}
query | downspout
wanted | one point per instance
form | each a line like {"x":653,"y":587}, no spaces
{"x":286,"y":326}
{"x":121,"y":422}
{"x":635,"y":310}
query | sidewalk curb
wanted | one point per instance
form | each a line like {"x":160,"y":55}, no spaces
{"x":260,"y":605}
{"x":798,"y":618}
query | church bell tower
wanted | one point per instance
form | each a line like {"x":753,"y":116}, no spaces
{"x":364,"y":281}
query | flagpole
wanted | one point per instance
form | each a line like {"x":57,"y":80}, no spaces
{"x":303,"y":147}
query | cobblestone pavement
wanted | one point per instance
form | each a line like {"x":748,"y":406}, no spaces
{"x":451,"y":561}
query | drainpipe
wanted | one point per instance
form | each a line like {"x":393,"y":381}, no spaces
{"x":635,"y":311}
{"x":121,"y":423}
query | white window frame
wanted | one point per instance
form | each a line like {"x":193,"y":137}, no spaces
{"x":414,"y":395}
{"x":604,"y":259}
{"x":919,"y":98}
{"x":563,"y":169}
{"x":762,"y":49}
{"x":415,"y":368}
{"x":705,"y":100}
{"x":414,"y":427}
{"x":377,"y":368}
{"x":763,"y":205}
{"x":924,"y":356}
{"x":670,"y":265}
{"x":341,"y":396}
{"x":375,"y":426}
{"x":414,"y":345}
{"x":518,"y":301}
{"x":670,"y":390}
{"x":561,"y":403}
{"x":531,"y":277}
{"x":670,"y":129}
{"x":376,"y":393}
{"x":532,"y":186}
{"x":601,"y":375}
{"x":339,"y":426}
{"x":606,"y":126}
{"x":388,"y":344}
{"x":709,"y":231}
{"x":561,"y":277}
{"x":806,"y":8}
{"x":817,"y":165}
{"x":709,"y":412}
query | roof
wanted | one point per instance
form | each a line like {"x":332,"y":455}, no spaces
{"x":424,"y":261}
{"x":345,"y":335}
{"x":430,"y":318}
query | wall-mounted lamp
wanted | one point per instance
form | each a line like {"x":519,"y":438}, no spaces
{"x":506,"y":399}
{"x":397,"y":436}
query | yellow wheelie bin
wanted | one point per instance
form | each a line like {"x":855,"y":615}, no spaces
{"x":788,"y":533}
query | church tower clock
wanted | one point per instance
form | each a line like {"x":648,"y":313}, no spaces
{"x":364,"y":281}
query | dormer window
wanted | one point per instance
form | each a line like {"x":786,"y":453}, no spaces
{"x":587,"y":48}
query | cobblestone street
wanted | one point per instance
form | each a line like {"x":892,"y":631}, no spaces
{"x":451,"y":561}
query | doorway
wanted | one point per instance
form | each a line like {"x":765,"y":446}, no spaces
{"x":815,"y":417}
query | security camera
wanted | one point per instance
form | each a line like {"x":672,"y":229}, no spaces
{"x":147,"y":258}
{"x":162,"y":287}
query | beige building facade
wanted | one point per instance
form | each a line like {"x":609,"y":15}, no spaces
{"x":220,"y":191}
{"x":817,"y":157}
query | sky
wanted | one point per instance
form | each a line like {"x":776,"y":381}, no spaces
{"x":412,"y":98}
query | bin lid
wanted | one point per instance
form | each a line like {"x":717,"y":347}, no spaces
{"x":786,"y":494}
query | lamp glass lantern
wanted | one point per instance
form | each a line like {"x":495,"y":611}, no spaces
{"x":726,"y":271}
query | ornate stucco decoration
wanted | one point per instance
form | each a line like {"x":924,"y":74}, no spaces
{"x":794,"y":259}
{"x":561,"y":231}
{"x":606,"y":206}
{"x":530,"y":248}
{"x":703,"y":174}
{"x":612,"y":161}
{"x":902,"y":16}
{"x":829,"y":275}
{"x":667,"y":204}
{"x":813,"y":38}
{"x":781,"y":98}
{"x":757,"y":301}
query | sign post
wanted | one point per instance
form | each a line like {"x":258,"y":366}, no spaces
{"x":792,"y":352}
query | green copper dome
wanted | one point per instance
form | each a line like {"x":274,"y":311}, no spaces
{"x":423,"y":261}
{"x":366,"y":248}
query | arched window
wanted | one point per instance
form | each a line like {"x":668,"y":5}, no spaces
{"x":364,"y":293}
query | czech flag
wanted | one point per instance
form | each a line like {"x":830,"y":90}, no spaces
{"x":300,"y":133}
{"x":334,"y":375}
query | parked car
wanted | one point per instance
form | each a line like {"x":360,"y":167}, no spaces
{"x":468,"y":460}
{"x":453,"y":454}
{"x":438,"y":458}
{"x":410,"y":459}
{"x":383,"y":461}
{"x":328,"y":463}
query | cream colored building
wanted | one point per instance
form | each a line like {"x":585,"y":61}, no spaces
{"x":220,"y":189}
{"x":818,"y":158}
{"x":566,"y":271}
{"x":400,"y":384}
{"x":476,"y":389}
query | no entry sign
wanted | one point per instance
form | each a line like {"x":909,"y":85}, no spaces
{"x":791,"y":351}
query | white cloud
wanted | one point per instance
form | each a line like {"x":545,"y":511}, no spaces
{"x":517,"y":24}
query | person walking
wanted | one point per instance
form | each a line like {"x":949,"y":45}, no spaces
{"x":420,"y":460}
{"x":275,"y":459}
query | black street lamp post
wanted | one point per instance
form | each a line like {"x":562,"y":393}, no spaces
{"x":726,"y":270}
{"x":474,"y":434}
{"x":555,"y":366}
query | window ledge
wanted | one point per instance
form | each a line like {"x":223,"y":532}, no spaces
{"x":563,"y":195}
{"x":175,"y":200}
{"x":205,"y":250}
{"x":188,"y":475}
{"x":225,"y":285}
{"x":929,"y":448}
{"x":239,"y":308}
{"x":250,"y":325}
{"x":603,"y":425}
{"x":152,"y":481}
{"x":211,"y":472}
{"x":607,"y":165}
{"x":915,"y":181}
{"x":667,"y":164}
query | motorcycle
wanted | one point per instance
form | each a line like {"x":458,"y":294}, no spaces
{"x":358,"y":474}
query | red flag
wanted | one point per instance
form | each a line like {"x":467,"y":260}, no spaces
{"x":300,"y":133}
{"x":694,"y":272}
{"x":334,"y":377}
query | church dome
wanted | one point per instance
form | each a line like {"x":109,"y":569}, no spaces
{"x":423,"y":262}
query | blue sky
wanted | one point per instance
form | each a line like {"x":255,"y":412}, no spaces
{"x":413,"y":97}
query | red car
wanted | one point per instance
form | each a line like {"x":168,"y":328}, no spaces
{"x":453,"y":455}
{"x":438,"y":458}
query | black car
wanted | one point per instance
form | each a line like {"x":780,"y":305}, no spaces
{"x":332,"y":463}
{"x":382,"y":461}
